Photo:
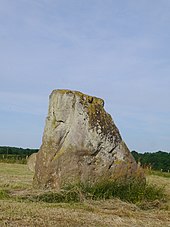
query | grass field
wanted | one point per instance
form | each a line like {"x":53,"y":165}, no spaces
{"x":16,"y":183}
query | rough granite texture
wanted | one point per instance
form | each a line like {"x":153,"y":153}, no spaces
{"x":80,"y":143}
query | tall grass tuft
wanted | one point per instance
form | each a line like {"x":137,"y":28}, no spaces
{"x":132,"y":191}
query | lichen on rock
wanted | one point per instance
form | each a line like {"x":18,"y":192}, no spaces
{"x":80,"y":143}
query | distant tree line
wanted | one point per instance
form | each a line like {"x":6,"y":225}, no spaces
{"x":157,"y":161}
{"x":17,"y":151}
{"x":15,"y":154}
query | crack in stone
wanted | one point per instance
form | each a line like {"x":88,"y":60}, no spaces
{"x":61,"y":144}
{"x":113,"y":148}
{"x":61,"y":121}
{"x":111,"y":164}
{"x":98,"y":150}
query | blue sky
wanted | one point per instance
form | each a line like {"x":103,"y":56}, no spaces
{"x":116,"y":50}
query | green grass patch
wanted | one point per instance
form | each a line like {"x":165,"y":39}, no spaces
{"x":4,"y":194}
{"x":159,"y":173}
{"x":135,"y":192}
{"x":132,"y":191}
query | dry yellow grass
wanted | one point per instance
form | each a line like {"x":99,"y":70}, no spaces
{"x":161,"y":181}
{"x":18,"y":179}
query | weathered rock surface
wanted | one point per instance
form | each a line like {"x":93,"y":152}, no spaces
{"x":80,"y":143}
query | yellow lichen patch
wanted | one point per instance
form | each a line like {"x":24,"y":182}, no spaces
{"x":54,"y":122}
{"x":118,"y":162}
{"x":59,"y":153}
{"x":102,"y":121}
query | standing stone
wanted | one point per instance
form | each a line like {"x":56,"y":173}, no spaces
{"x":80,"y":143}
{"x":31,"y":162}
